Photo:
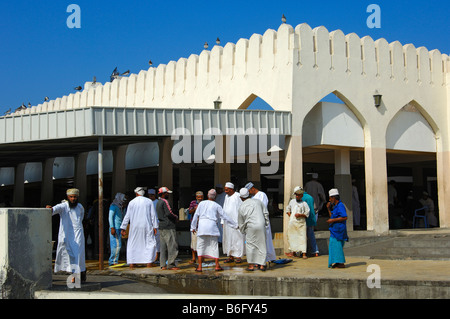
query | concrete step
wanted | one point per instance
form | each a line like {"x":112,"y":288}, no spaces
{"x":418,"y":251}
{"x":423,"y":243}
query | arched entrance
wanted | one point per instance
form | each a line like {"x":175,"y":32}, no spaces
{"x":411,"y":167}
{"x":333,"y":150}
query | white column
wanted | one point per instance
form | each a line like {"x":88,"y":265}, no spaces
{"x":376,"y":189}
{"x":293,"y":175}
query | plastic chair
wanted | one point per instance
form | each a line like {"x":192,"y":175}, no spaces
{"x":418,"y":215}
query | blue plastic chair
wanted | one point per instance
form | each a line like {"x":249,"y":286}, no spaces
{"x":417,"y":214}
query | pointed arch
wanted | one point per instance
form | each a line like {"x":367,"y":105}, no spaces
{"x":331,"y":123}
{"x":253,"y":101}
{"x":412,"y":129}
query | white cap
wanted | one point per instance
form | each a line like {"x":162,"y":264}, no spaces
{"x":249,"y":185}
{"x":73,"y":191}
{"x":139,"y":190}
{"x":164,"y":190}
{"x":212,"y":193}
{"x":333,"y":192}
{"x":244,"y":192}
{"x":298,"y":189}
{"x":229,"y":185}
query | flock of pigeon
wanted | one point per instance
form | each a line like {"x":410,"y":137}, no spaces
{"x":115,"y":74}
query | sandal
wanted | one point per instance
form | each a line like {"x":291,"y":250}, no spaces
{"x":198,"y":270}
{"x":262,"y":268}
{"x":229,"y":260}
{"x":218,"y":269}
{"x":238,"y":260}
{"x":250,"y":269}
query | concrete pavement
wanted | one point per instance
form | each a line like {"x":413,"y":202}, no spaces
{"x":365,"y":276}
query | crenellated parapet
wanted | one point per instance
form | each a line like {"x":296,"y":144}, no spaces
{"x":263,"y":66}
{"x":364,"y":56}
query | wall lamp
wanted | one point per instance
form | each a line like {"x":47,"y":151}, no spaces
{"x":217,"y":103}
{"x":377,"y":99}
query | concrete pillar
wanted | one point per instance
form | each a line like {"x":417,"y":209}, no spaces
{"x":25,"y":251}
{"x":81,"y":177}
{"x":293,"y":175}
{"x":376,"y":189}
{"x":443,"y":164}
{"x":19,"y":187}
{"x":47,"y":182}
{"x":165,"y":169}
{"x":222,"y":168}
{"x":119,"y":183}
{"x":343,"y":181}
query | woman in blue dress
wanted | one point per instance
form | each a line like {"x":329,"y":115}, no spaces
{"x":338,"y":230}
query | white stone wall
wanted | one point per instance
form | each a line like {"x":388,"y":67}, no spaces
{"x":25,"y":252}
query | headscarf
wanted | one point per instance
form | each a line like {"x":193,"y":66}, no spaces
{"x":119,"y":199}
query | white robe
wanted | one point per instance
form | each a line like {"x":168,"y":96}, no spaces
{"x":271,"y":255}
{"x":253,"y":218}
{"x":233,"y":243}
{"x":220,"y":199}
{"x":70,"y":253}
{"x":431,"y":218}
{"x":296,"y":231}
{"x":141,"y":245}
{"x":205,"y":223}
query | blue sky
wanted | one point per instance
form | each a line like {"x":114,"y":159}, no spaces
{"x":40,"y":56}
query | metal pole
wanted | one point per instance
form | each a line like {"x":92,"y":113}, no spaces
{"x":100,"y":202}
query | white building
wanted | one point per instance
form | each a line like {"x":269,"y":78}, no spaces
{"x":404,"y":136}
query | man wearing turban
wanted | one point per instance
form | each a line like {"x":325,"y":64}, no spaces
{"x":70,"y":253}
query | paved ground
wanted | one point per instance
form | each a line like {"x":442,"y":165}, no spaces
{"x":156,"y":283}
